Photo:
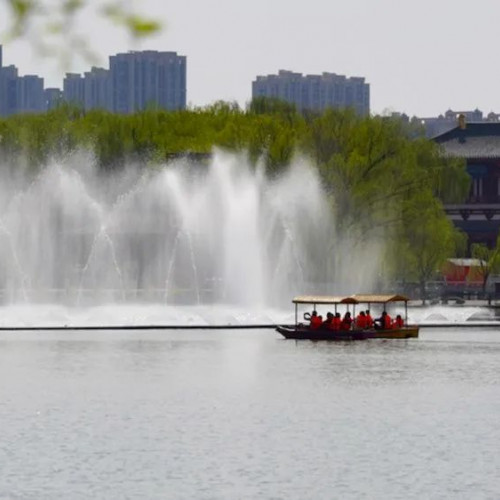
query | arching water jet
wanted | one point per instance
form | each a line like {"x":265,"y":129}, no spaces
{"x":180,"y":234}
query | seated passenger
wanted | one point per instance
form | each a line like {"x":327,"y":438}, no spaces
{"x":361,"y":320}
{"x":369,"y":319}
{"x":384,"y":322}
{"x":346,"y":321}
{"x":387,"y":322}
{"x":336,"y":322}
{"x":398,"y":322}
{"x":328,"y":320}
{"x":315,"y":321}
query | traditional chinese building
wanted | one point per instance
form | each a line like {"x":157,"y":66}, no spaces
{"x":479,"y":145}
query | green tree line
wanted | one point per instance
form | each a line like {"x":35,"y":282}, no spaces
{"x":383,"y":178}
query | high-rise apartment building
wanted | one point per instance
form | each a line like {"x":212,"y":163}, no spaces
{"x":53,"y":98}
{"x":315,"y":92}
{"x":2,"y":98}
{"x":9,"y":91}
{"x":134,"y":82}
{"x":19,"y":94}
{"x":140,"y":80}
{"x":97,"y":89}
{"x":74,"y":89}
{"x":30,"y":94}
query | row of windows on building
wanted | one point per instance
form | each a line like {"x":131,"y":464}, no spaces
{"x":139,"y":80}
{"x":133,"y":82}
{"x":315,"y":92}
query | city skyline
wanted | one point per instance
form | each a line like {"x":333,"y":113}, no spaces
{"x":135,"y":80}
{"x":420,"y":58}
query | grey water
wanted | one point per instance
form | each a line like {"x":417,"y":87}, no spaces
{"x":248,"y":415}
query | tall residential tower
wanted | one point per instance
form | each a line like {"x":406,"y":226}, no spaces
{"x":315,"y":92}
{"x":140,"y":80}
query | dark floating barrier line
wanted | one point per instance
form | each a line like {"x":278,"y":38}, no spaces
{"x":467,"y":324}
{"x":137,"y":327}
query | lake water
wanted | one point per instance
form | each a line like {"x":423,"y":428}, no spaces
{"x":248,"y":415}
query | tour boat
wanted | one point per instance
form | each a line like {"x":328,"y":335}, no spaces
{"x":299,"y":331}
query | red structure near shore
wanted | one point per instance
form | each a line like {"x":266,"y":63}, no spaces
{"x":463,"y":272}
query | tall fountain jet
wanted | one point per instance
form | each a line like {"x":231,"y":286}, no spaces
{"x":183,"y":233}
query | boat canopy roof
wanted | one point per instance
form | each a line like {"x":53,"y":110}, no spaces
{"x":379,"y":299}
{"x":323,"y":299}
{"x":350,"y":299}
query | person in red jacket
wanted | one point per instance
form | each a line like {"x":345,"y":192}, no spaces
{"x":315,"y":320}
{"x":387,"y":322}
{"x":336,"y":322}
{"x":369,"y":319}
{"x":398,"y":322}
{"x":346,"y":321}
{"x":384,"y":322}
{"x":361,"y":320}
{"x":328,"y":321}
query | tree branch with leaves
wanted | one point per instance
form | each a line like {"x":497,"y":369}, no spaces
{"x":52,"y":27}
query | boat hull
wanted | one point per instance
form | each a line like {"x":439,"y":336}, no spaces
{"x":305,"y":333}
{"x":397,"y":333}
{"x":301,"y":333}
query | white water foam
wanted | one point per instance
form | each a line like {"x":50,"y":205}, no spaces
{"x":177,"y":234}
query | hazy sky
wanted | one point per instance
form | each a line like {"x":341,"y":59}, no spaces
{"x":421,"y":57}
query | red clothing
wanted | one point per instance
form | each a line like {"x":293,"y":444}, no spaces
{"x":335,"y":324}
{"x":368,"y":320}
{"x":346,"y":324}
{"x":361,"y":321}
{"x":316,"y":322}
{"x":398,"y":323}
{"x":387,"y":322}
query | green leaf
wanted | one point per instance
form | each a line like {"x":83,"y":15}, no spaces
{"x":140,"y":26}
{"x":22,"y":8}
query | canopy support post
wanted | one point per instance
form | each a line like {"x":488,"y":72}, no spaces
{"x":296,"y":315}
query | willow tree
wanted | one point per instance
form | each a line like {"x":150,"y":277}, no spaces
{"x":426,"y":238}
{"x":489,"y":260}
{"x":367,"y":164}
{"x":386,"y":184}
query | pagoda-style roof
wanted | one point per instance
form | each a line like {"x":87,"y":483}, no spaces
{"x":476,"y":140}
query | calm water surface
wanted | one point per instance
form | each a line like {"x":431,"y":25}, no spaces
{"x":245,"y":414}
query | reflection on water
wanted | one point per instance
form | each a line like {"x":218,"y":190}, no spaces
{"x":225,"y":415}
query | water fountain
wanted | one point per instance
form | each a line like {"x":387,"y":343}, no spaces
{"x":183,"y":243}
{"x":144,"y":244}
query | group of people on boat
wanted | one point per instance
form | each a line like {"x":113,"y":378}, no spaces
{"x":363,"y":321}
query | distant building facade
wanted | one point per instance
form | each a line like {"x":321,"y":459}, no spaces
{"x":30,"y":94}
{"x":140,"y":80}
{"x":97,"y":89}
{"x":19,"y":94}
{"x":135,"y":81}
{"x":315,"y":92}
{"x":437,"y":125}
{"x":53,"y":98}
{"x":8,"y":91}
